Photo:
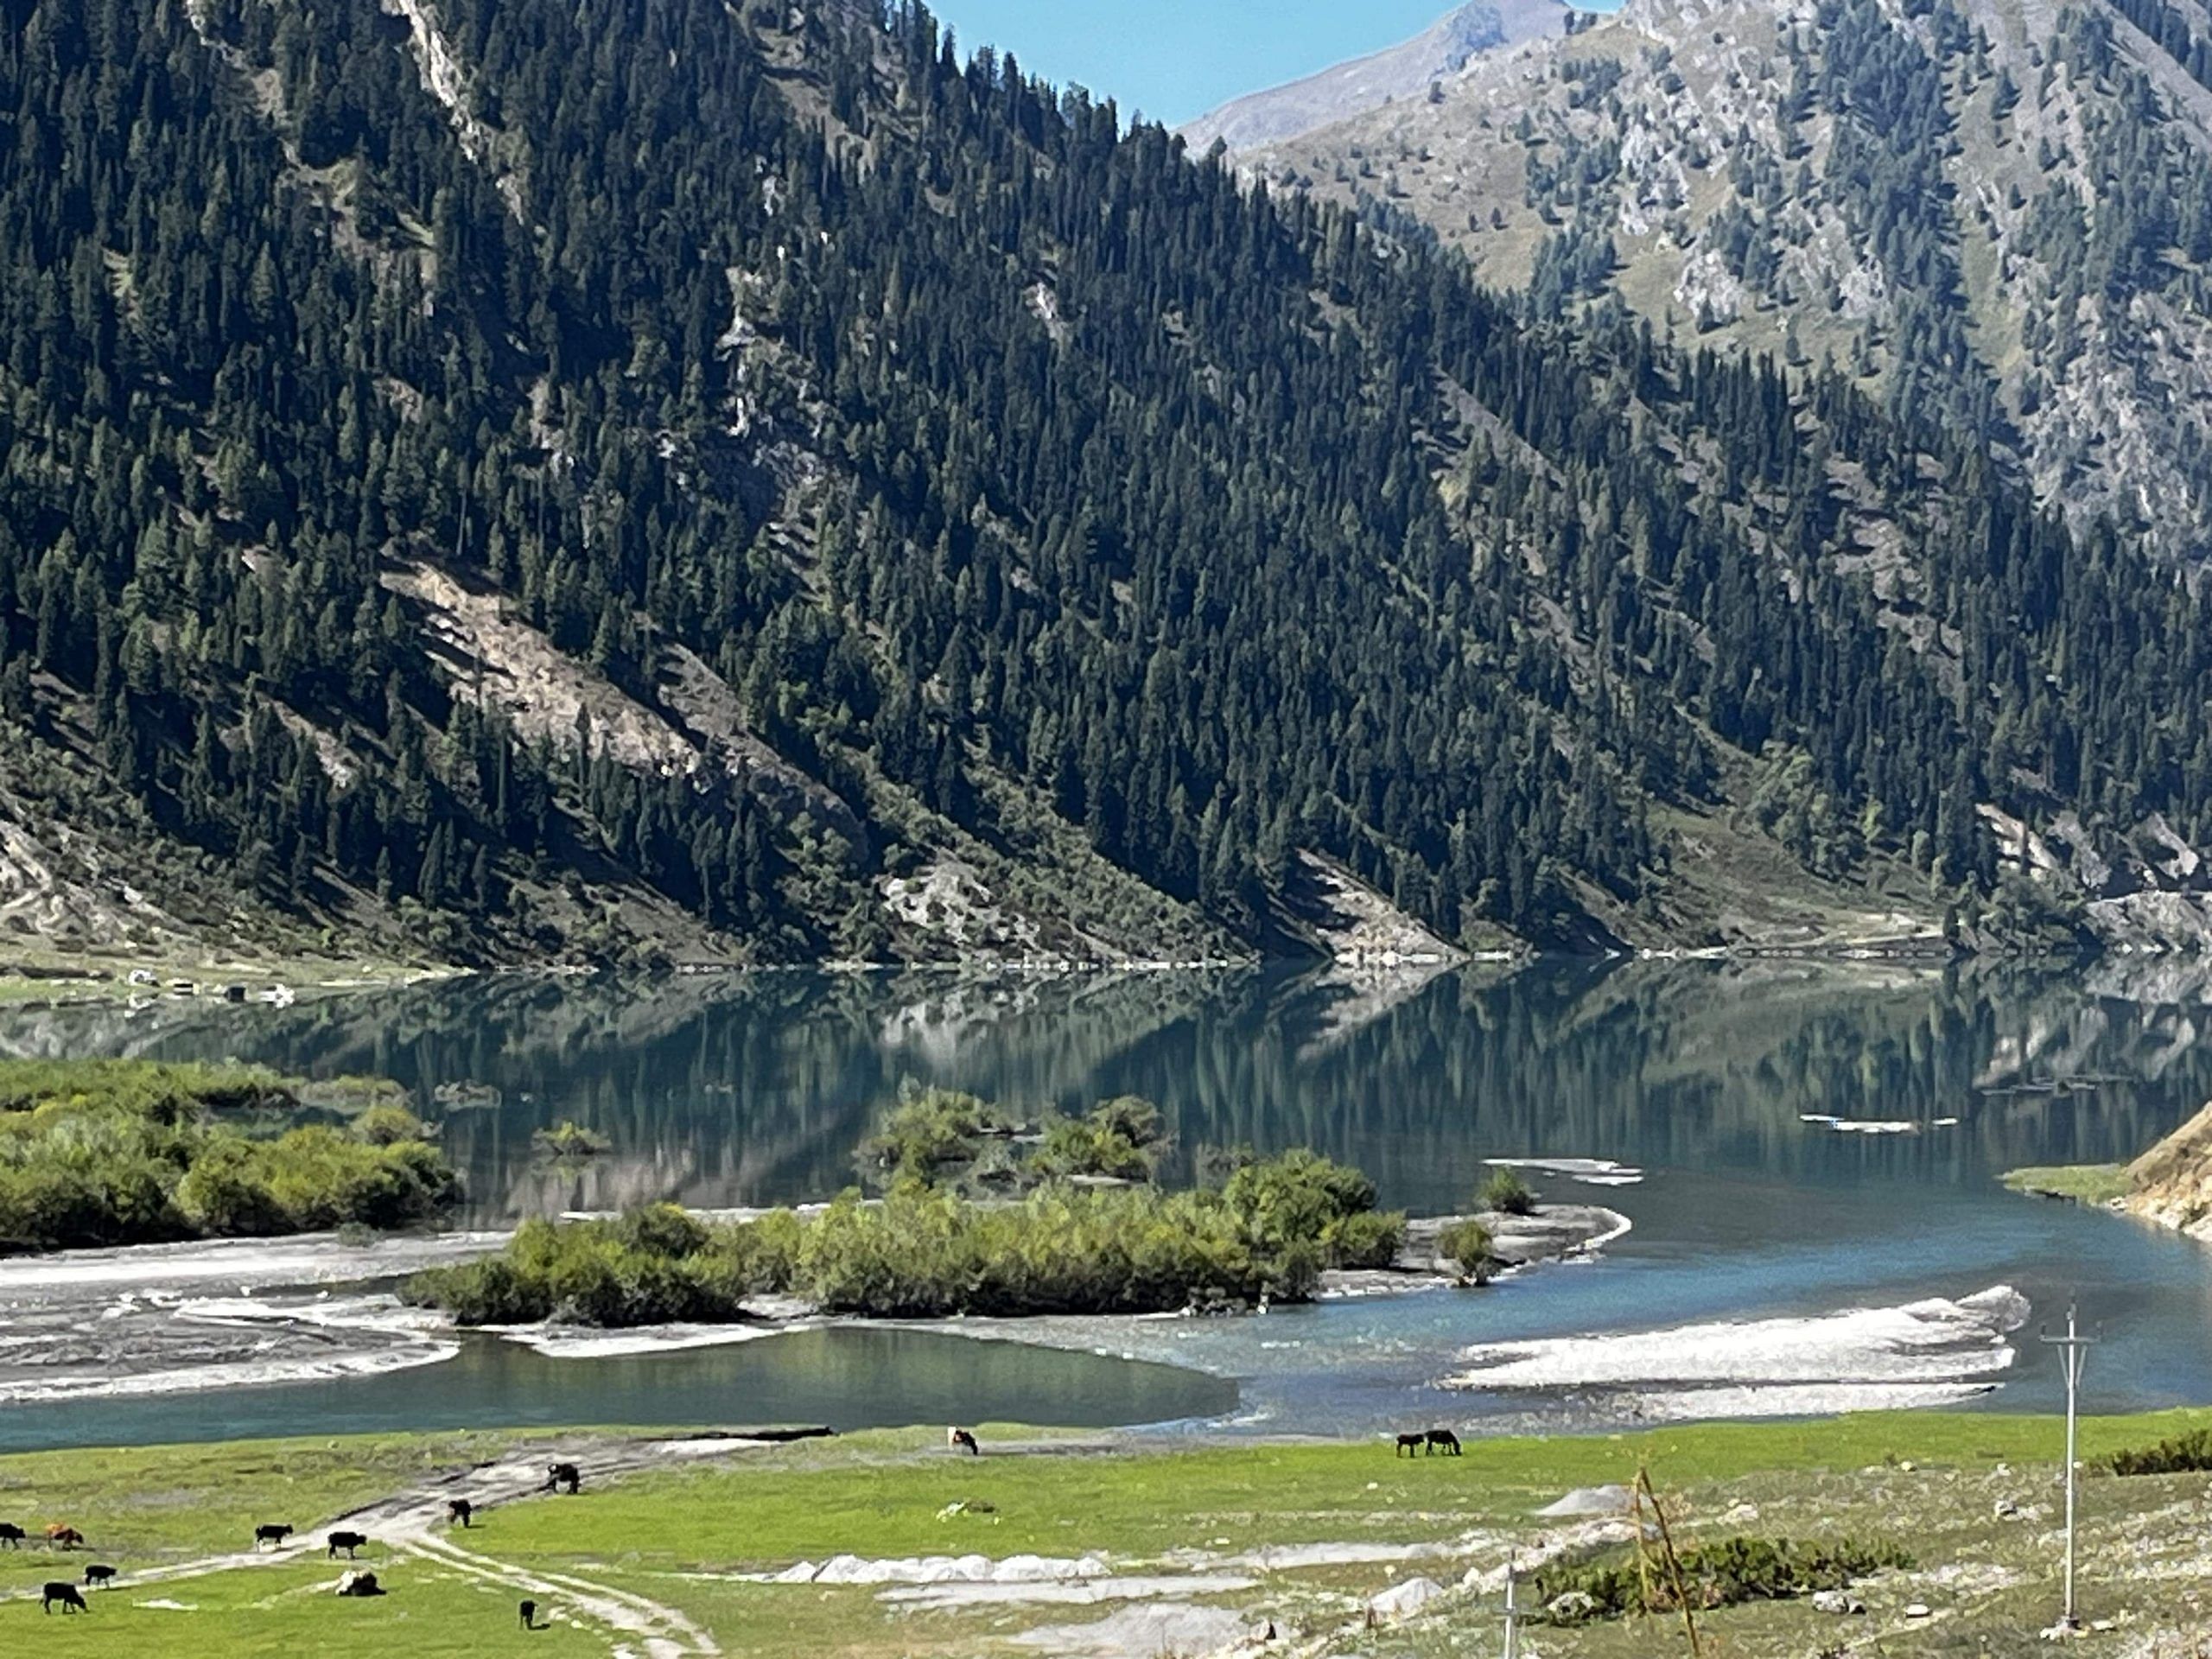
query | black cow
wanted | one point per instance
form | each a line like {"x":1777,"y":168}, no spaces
{"x":528,"y":1614}
{"x":1409,"y":1444}
{"x":11,"y":1534}
{"x":65,"y":1594}
{"x":348,"y":1541}
{"x":1444,"y":1438}
{"x":97,"y":1575}
{"x":462,"y":1510}
{"x":270,"y":1534}
{"x":563,"y":1475}
{"x":960,"y":1441}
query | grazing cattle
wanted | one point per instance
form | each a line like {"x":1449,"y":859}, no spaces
{"x":11,"y":1534}
{"x":98,"y":1575}
{"x":65,"y":1594}
{"x":462,"y":1510}
{"x":1409,"y":1444}
{"x":359,"y":1584}
{"x":270,"y":1534}
{"x":530,"y":1615}
{"x":561,"y":1475}
{"x":1445,"y":1438}
{"x":348,"y":1541}
{"x":60,"y":1537}
{"x":960,"y":1441}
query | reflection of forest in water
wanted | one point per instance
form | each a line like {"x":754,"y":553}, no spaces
{"x":739,"y":1089}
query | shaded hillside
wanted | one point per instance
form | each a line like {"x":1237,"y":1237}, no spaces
{"x":531,"y":480}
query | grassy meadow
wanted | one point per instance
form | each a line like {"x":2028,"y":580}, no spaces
{"x":659,"y":1556}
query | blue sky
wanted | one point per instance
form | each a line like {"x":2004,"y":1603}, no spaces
{"x":1174,"y":60}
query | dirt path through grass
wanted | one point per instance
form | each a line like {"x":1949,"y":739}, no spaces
{"x":415,"y":1523}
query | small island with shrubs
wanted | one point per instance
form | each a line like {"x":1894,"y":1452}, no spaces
{"x":978,"y":1214}
{"x":104,"y":1152}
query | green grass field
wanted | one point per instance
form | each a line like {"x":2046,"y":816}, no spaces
{"x":659,"y":1555}
{"x":2082,"y":1182}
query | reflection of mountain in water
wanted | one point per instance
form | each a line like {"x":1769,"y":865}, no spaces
{"x":743,"y":1088}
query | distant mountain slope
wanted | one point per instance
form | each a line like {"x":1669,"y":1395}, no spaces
{"x":1404,"y":71}
{"x":1995,"y":214}
{"x":537,"y":482}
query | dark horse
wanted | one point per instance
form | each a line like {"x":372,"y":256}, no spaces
{"x":559,"y":1476}
{"x":1409,"y":1444}
{"x":65,"y":1594}
{"x":1445,"y":1438}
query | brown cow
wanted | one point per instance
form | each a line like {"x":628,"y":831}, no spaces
{"x":59,"y":1537}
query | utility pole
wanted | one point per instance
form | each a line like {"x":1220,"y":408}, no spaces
{"x":1512,"y":1612}
{"x":2073,"y":1354}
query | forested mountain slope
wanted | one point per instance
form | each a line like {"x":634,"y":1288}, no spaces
{"x":1993,"y":214}
{"x":527,"y":479}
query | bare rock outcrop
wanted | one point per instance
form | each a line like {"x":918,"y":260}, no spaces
{"x":2171,"y":1184}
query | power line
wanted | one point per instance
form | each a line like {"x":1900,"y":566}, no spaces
{"x":2073,"y":1354}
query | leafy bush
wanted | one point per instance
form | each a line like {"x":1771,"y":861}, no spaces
{"x":922,"y":1252}
{"x":595,"y":1272}
{"x":1466,"y":1244}
{"x":1506,"y":1194}
{"x":1121,"y":1140}
{"x":929,"y":1132}
{"x":1724,"y":1574}
{"x":1370,"y":1239}
{"x":387,"y":1124}
{"x":104,"y":1152}
{"x":567,"y":1139}
{"x":2185,"y":1455}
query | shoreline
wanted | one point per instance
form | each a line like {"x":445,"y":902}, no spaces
{"x":145,"y":1320}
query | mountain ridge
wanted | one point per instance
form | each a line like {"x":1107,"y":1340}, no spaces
{"x":1406,"y":70}
{"x":2031,"y":265}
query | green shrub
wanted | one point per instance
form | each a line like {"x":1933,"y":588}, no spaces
{"x":387,"y":1124}
{"x":1724,"y":1574}
{"x":567,"y":1140}
{"x":1466,"y":1245}
{"x":927,"y":1134}
{"x":104,"y":1153}
{"x":613,"y":1274}
{"x":1506,"y":1194}
{"x":1121,"y":1140}
{"x":924,"y":1253}
{"x":1296,"y":1195}
{"x":1370,"y":1239}
{"x":2185,"y":1455}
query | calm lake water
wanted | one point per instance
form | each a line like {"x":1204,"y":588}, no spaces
{"x":730,"y":1090}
